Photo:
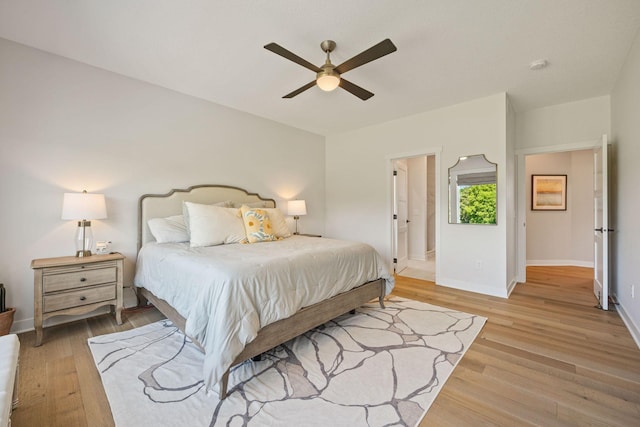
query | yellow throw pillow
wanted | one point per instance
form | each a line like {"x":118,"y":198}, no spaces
{"x":257,"y":225}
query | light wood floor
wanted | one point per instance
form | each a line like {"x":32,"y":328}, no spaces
{"x":545,"y":357}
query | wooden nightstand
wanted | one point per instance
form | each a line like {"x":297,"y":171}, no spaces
{"x":71,"y":285}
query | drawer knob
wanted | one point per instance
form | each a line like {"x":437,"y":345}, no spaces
{"x":83,"y":298}
{"x":83,"y":279}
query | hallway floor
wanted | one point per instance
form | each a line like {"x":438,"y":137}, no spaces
{"x":422,"y":270}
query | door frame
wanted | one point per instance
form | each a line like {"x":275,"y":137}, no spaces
{"x":390,"y":197}
{"x":602,"y":222}
{"x":521,"y":196}
{"x":400,"y":263}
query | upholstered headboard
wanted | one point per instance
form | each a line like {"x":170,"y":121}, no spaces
{"x":164,"y":205}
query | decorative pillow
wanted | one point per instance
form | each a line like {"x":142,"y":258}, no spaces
{"x":279,"y":224}
{"x":213,"y":225}
{"x":169,"y":230}
{"x":257,"y":225}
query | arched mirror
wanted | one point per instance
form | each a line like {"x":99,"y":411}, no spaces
{"x":473,"y":191}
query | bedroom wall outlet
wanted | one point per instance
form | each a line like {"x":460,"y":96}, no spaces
{"x":102,"y":247}
{"x":478,"y":265}
{"x":633,"y":291}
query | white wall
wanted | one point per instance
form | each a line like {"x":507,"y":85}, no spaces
{"x":65,"y":126}
{"x":625,"y":114}
{"x":471,"y":257}
{"x":563,"y":124}
{"x":562,"y":237}
{"x":582,"y":202}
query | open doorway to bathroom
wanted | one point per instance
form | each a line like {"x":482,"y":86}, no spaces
{"x":415,"y":217}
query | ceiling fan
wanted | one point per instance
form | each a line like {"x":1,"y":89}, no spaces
{"x":329,"y":76}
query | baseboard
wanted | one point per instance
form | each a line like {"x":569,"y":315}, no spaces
{"x":559,"y":263}
{"x":470,"y":287}
{"x":20,"y":326}
{"x":511,"y":286}
{"x":634,"y":330}
{"x":26,"y":325}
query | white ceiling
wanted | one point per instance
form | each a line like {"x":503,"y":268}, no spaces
{"x":449,"y":51}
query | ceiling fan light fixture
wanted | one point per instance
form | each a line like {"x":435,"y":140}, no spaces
{"x":328,"y":80}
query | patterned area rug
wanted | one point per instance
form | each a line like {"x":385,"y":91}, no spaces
{"x":373,"y":368}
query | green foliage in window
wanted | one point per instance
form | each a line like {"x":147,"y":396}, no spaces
{"x":478,"y":204}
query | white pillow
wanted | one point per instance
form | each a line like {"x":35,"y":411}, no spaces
{"x":169,"y":230}
{"x":214,"y":225}
{"x":225,"y":204}
{"x":279,"y":224}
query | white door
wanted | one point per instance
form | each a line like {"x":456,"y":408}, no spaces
{"x":601,"y":228}
{"x":400,"y":215}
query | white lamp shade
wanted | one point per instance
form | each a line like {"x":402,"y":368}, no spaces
{"x":83,"y":206}
{"x":297,"y":207}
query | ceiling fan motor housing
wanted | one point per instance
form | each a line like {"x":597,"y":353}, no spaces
{"x":328,"y":46}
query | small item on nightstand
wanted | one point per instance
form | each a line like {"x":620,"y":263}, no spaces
{"x":102,"y":247}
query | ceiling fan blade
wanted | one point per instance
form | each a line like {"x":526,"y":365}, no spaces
{"x":300,"y":90}
{"x":383,"y":48}
{"x":279,"y":50}
{"x":355,"y":89}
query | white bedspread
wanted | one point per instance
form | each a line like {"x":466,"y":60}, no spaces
{"x":227,"y":293}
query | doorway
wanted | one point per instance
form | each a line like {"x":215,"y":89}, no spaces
{"x":415,"y":208}
{"x":564,"y":237}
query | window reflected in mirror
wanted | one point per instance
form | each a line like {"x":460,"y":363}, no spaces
{"x":473,"y":191}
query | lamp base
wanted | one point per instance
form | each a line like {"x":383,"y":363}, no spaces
{"x":84,"y":239}
{"x":296,"y":218}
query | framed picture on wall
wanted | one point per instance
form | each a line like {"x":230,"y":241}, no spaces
{"x":549,"y":192}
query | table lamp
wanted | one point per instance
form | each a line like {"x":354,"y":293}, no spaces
{"x":84,"y":207}
{"x":297,"y":208}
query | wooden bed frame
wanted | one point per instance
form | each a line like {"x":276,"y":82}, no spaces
{"x":270,"y":336}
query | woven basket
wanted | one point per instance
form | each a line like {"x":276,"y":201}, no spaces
{"x":6,"y":320}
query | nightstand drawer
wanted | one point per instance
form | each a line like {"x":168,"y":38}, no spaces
{"x":72,"y":285}
{"x":80,"y":297}
{"x":78,"y":279}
